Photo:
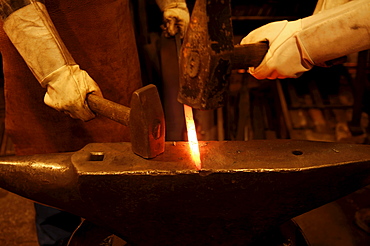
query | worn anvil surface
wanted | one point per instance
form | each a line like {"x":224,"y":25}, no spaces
{"x":244,"y":188}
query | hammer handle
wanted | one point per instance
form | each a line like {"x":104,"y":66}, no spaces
{"x":109,"y":109}
{"x":249,"y":55}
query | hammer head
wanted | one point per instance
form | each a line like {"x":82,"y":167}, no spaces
{"x":205,"y":58}
{"x":147,"y":125}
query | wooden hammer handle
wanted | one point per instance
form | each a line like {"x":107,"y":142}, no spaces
{"x":109,"y":109}
{"x":249,"y":55}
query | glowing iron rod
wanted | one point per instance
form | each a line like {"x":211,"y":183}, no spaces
{"x":192,"y":136}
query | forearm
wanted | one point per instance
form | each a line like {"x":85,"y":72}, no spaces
{"x":8,"y":6}
{"x":33,"y":34}
{"x":163,"y":4}
{"x":296,"y":46}
{"x":337,"y":32}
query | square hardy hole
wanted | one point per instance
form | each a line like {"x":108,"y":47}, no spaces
{"x":96,"y":156}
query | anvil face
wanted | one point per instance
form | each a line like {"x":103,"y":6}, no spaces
{"x":243,"y":190}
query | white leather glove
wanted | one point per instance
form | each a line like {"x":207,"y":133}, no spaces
{"x":284,"y":58}
{"x":298,"y":45}
{"x":175,"y":17}
{"x":33,"y":34}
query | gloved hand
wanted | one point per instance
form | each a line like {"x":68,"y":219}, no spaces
{"x":285,"y":57}
{"x":298,"y":45}
{"x":175,"y":17}
{"x":67,"y":88}
{"x":33,"y":34}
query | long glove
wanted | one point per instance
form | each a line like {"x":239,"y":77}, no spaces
{"x":296,"y":46}
{"x":175,"y":17}
{"x":32,"y":32}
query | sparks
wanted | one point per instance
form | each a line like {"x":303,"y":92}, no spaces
{"x":192,"y":136}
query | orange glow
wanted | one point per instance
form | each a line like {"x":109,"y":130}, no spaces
{"x":192,"y":136}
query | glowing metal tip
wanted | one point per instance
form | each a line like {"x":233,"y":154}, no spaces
{"x":192,"y":136}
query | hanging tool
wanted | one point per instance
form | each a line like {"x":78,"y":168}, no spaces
{"x":145,"y":118}
{"x":243,"y":190}
{"x":208,"y":55}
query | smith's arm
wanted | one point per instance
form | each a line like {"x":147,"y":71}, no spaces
{"x":9,"y":6}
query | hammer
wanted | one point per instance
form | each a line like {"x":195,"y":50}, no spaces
{"x":208,"y":55}
{"x":145,"y":119}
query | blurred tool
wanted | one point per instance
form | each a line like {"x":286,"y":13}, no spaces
{"x":208,"y":55}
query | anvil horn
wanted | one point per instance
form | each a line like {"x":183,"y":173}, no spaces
{"x":243,"y":190}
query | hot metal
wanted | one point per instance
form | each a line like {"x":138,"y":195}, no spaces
{"x":243,"y":190}
{"x":192,"y":136}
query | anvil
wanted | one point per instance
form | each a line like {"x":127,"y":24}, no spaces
{"x":243,"y":189}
